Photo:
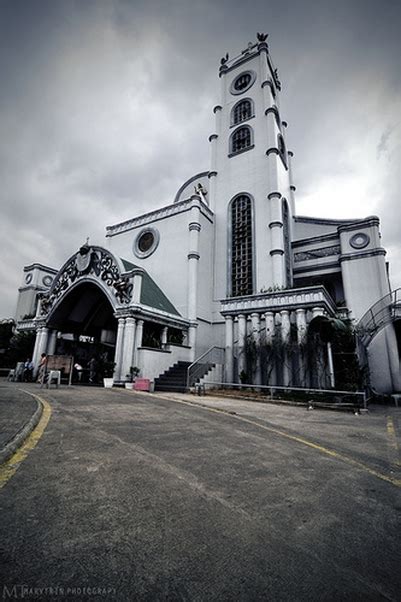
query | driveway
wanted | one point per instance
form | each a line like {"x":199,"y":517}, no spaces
{"x":132,"y":496}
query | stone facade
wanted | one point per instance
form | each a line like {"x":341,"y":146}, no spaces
{"x":227,"y":264}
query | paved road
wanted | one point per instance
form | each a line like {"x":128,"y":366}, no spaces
{"x":137,"y":497}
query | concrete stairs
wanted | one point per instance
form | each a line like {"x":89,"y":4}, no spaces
{"x":175,"y":378}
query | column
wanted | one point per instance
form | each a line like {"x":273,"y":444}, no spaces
{"x":285,"y":337}
{"x":318,"y":379}
{"x":119,"y":348}
{"x":300,"y":315}
{"x":277,"y":239}
{"x":40,"y":346}
{"x":229,"y":354}
{"x":255,"y":321}
{"x":138,"y":343}
{"x":193,"y":259}
{"x":128,"y":349}
{"x":269,"y":334}
{"x":241,"y":344}
{"x":164,"y":337}
{"x":136,"y":295}
{"x":51,"y":347}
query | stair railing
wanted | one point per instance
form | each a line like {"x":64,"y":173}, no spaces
{"x":384,"y":311}
{"x":198,"y":368}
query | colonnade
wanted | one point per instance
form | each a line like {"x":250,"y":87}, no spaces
{"x":262,"y":326}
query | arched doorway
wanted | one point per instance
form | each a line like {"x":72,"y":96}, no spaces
{"x":86,"y":329}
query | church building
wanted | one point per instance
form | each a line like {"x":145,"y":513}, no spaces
{"x":227,"y":279}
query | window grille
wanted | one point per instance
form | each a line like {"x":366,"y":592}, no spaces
{"x":242,"y":111}
{"x":242,"y":81}
{"x":241,"y":139}
{"x":241,"y":247}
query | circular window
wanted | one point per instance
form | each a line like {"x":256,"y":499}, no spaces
{"x":359,"y":241}
{"x":47,"y":280}
{"x":146,"y":242}
{"x":28,"y":278}
{"x":242,"y":82}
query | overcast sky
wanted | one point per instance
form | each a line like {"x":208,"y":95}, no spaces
{"x":106,"y":107}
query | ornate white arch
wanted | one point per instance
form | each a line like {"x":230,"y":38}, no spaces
{"x":90,"y":264}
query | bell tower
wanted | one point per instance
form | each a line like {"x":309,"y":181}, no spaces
{"x":251,"y":191}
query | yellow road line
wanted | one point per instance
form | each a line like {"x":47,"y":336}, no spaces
{"x":302,"y":440}
{"x":10,"y":467}
{"x":392,"y":440}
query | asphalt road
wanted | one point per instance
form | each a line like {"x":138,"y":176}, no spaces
{"x":136,"y":497}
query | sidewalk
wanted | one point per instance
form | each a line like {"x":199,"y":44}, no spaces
{"x":16,"y":409}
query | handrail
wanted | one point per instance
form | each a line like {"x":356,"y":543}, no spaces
{"x":380,"y":314}
{"x":194,"y":370}
{"x":272,"y":388}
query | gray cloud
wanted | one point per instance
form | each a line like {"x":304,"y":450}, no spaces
{"x":105,"y":109}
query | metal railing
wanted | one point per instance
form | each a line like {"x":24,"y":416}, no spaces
{"x":383,"y":312}
{"x":198,"y":368}
{"x":360,"y":395}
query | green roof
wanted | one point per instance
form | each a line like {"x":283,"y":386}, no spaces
{"x":151,"y":294}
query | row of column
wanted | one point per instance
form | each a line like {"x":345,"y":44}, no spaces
{"x":256,"y":330}
{"x":129,"y":338}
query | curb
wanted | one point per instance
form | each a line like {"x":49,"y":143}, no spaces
{"x":11,"y":447}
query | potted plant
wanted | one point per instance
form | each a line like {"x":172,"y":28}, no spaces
{"x":134,"y":372}
{"x":108,"y":371}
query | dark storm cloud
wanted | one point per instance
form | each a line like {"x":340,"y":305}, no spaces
{"x":105,"y":109}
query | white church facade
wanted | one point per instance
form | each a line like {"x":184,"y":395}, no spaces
{"x":228,"y":271}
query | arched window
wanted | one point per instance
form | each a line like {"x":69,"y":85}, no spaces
{"x":282,"y":151}
{"x":242,"y":111}
{"x":287,"y":243}
{"x":241,"y":139}
{"x":241,"y":246}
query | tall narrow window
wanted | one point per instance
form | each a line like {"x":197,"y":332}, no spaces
{"x":242,"y":111}
{"x":241,"y":139}
{"x":241,"y":246}
{"x":287,"y":243}
{"x":282,"y":151}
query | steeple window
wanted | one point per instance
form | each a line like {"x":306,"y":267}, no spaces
{"x":242,"y":111}
{"x":282,"y":151}
{"x":241,"y":139}
{"x":287,"y":243}
{"x":241,"y":246}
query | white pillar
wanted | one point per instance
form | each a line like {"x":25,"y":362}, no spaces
{"x":136,"y":295}
{"x":164,"y":336}
{"x":119,"y":348}
{"x":51,"y":346}
{"x":138,"y":343}
{"x":285,"y":337}
{"x":255,"y":321}
{"x":331,"y":365}
{"x":269,"y":334}
{"x":40,"y":346}
{"x":241,"y":343}
{"x":229,"y":357}
{"x":128,"y":348}
{"x":193,"y":262}
{"x":300,"y":315}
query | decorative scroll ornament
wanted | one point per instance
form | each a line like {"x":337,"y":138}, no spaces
{"x":88,"y":261}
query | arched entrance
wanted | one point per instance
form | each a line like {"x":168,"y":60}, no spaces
{"x":85,"y":328}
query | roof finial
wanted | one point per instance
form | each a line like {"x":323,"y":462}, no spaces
{"x":262,"y":37}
